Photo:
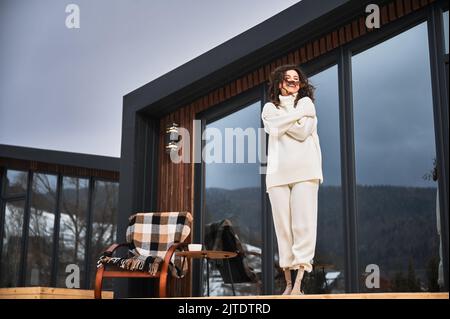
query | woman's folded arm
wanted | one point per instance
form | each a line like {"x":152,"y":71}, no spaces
{"x":277,"y":122}
{"x":303,"y":128}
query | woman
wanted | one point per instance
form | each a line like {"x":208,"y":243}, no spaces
{"x":294,"y":170}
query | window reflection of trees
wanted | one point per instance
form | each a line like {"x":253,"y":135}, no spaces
{"x":394,"y":152}
{"x":12,"y":236}
{"x":42,"y":219}
{"x":72,"y":233}
{"x":16,"y":182}
{"x":104,"y":224}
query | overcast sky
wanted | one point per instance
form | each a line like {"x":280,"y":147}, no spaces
{"x":62,"y":88}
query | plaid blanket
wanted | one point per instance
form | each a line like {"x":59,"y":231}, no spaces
{"x":149,"y":236}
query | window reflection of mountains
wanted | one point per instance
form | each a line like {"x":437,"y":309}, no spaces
{"x":397,"y":225}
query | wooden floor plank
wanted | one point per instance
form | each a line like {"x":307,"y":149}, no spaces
{"x":418,"y":295}
{"x":50,"y":293}
{"x":64,"y":293}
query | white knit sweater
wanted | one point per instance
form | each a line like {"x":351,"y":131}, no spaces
{"x":294,"y":152}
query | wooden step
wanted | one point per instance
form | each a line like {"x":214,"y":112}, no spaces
{"x":50,"y":293}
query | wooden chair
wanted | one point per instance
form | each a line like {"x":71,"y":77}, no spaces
{"x":117,"y":272}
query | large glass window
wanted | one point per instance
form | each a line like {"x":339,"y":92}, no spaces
{"x":40,"y":235}
{"x":328,"y":274}
{"x":14,"y":193}
{"x":395,"y":154}
{"x":233,"y":197}
{"x":72,"y":232}
{"x":12,"y":243}
{"x":41,"y":216}
{"x":106,"y":195}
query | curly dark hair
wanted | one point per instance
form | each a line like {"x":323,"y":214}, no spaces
{"x":277,"y":76}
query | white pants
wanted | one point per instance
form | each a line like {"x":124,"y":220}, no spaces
{"x":294,"y":211}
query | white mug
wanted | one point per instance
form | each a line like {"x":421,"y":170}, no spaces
{"x":195,"y":247}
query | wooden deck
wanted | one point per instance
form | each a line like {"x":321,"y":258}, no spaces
{"x":64,"y":293}
{"x":419,"y":295}
{"x":49,"y":293}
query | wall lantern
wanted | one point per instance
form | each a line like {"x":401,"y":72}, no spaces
{"x":172,"y":137}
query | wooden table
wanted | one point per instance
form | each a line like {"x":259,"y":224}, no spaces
{"x":211,"y":254}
